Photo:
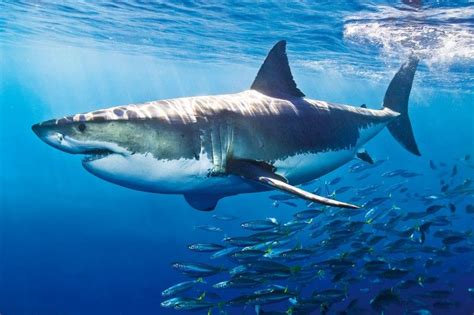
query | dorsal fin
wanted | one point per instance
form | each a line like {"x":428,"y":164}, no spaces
{"x":274,"y":77}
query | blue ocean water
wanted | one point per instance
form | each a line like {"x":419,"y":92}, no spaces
{"x":71,"y":243}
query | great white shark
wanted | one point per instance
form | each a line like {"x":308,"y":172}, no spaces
{"x":209,"y":147}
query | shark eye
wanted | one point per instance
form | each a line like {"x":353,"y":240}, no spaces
{"x":81,"y":127}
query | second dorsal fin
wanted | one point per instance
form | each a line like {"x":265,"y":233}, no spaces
{"x":274,"y":77}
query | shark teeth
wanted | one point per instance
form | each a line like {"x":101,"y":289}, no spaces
{"x":95,"y":154}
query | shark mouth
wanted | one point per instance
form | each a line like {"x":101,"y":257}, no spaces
{"x":96,"y":154}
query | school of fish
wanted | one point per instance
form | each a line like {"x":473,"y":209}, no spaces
{"x":324,"y":259}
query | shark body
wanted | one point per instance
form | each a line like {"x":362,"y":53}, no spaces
{"x":210,"y":147}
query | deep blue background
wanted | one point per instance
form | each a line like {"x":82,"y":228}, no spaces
{"x":73,"y":244}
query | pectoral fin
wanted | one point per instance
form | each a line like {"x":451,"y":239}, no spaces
{"x":202,"y":202}
{"x":264,"y":174}
{"x":280,"y":185}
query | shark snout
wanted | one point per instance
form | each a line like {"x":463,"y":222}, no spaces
{"x":68,"y":138}
{"x":37,"y":130}
{"x":54,"y":138}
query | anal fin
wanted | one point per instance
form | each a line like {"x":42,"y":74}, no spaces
{"x":364,"y":156}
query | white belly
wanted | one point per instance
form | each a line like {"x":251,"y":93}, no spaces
{"x":144,"y":172}
{"x":302,"y":168}
{"x":305,"y":167}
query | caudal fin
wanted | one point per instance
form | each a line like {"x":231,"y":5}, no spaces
{"x":396,"y":99}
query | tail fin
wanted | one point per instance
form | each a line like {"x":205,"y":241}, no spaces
{"x":396,"y":99}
